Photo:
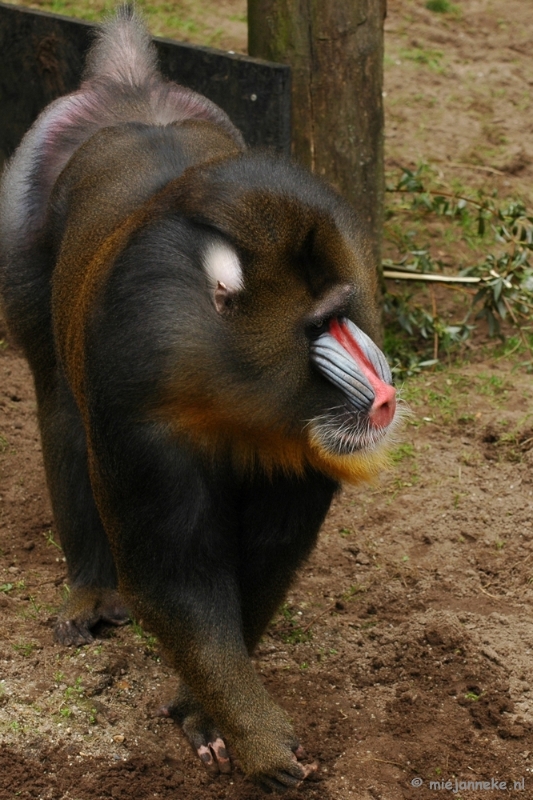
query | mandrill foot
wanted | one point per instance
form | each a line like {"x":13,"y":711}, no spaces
{"x":200,"y":730}
{"x":84,"y":609}
{"x":207,"y":742}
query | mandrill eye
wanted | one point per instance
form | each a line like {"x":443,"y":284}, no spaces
{"x":318,"y":327}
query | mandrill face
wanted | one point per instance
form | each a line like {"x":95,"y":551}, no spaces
{"x":286,"y":371}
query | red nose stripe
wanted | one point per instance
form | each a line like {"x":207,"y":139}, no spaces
{"x":382,"y":412}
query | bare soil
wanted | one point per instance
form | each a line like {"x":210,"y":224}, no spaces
{"x":404,"y":651}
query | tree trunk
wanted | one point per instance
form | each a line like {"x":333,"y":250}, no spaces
{"x":335,"y":50}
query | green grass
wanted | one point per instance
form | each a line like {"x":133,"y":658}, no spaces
{"x":424,"y":57}
{"x":492,"y":386}
{"x":289,"y":627}
{"x":439,"y":397}
{"x":25,"y":649}
{"x":149,"y":640}
{"x":441,"y":6}
{"x":401,"y":452}
{"x":345,"y":531}
{"x":50,"y":541}
{"x":185,"y":20}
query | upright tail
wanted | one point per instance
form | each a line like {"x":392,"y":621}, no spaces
{"x":121,"y":85}
{"x":123,"y":51}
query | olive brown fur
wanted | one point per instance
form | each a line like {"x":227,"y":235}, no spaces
{"x":199,"y":322}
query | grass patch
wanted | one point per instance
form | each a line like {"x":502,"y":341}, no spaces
{"x":424,"y":57}
{"x":402,"y":452}
{"x":442,"y":7}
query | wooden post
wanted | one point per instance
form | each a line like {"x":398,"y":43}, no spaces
{"x":335,"y":50}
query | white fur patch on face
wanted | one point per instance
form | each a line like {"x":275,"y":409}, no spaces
{"x":222,"y":266}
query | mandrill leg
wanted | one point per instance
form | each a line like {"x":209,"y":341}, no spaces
{"x":93,"y":596}
{"x":279,"y":523}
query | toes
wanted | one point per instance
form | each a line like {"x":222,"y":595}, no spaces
{"x":70,"y":632}
{"x":310,"y":769}
{"x":214,"y":757}
{"x":221,"y":755}
{"x":269,"y":785}
{"x":206,"y":756}
{"x":172,"y":710}
{"x":282,"y":780}
{"x":201,"y":732}
{"x":290,"y":777}
{"x":299,"y":752}
{"x":279,"y":782}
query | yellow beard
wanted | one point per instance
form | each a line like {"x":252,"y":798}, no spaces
{"x":353,"y":468}
{"x":272,"y":450}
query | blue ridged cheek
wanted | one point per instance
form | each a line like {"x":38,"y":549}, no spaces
{"x":340,"y":369}
{"x":371,"y":350}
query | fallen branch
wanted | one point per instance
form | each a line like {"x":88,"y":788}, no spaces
{"x":472,"y":166}
{"x":409,"y":275}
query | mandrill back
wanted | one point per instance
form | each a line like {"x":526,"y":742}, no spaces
{"x":122,"y":92}
{"x":200,"y":323}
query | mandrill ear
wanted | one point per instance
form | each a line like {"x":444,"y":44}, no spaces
{"x":224,"y":273}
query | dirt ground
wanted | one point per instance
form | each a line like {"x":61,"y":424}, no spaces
{"x":404,"y":651}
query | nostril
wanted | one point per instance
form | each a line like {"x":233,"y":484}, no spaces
{"x":384,"y":407}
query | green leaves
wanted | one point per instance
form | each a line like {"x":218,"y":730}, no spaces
{"x":505,"y":287}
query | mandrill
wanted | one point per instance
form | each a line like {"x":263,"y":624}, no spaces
{"x":199,"y":319}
